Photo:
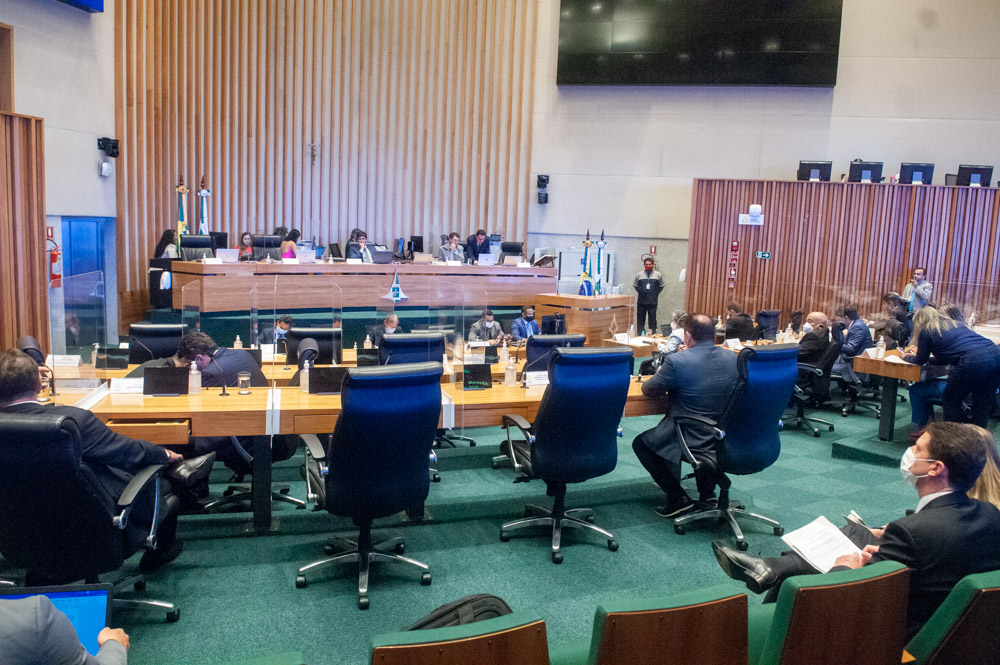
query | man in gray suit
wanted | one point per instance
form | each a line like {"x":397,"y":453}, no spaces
{"x":699,"y":381}
{"x":33,"y":631}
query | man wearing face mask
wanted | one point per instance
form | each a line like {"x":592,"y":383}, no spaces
{"x":948,"y":537}
{"x":816,"y":338}
{"x":389,"y":326}
{"x":525,"y":326}
{"x":647,"y":284}
{"x":485,"y":329}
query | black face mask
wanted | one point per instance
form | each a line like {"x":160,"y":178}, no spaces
{"x":529,"y":318}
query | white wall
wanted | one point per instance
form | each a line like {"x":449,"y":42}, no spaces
{"x":64,"y":72}
{"x":917,"y":81}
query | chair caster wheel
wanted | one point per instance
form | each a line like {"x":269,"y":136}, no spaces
{"x":400,"y":548}
{"x":329,"y":549}
{"x":140,"y":585}
{"x":300,"y":582}
{"x":495,"y":465}
{"x":613,"y":545}
{"x":504,"y":537}
{"x":285,"y":490}
{"x":680,"y":529}
{"x":557,"y":557}
{"x":363,"y":602}
{"x":779,"y":531}
{"x":229,"y":492}
{"x":436,"y":478}
{"x":299,"y":507}
{"x":527,"y":512}
{"x":589,"y":518}
{"x":831,"y":428}
{"x":816,"y":434}
{"x":425,"y":579}
{"x":175,"y":616}
{"x":742,"y":545}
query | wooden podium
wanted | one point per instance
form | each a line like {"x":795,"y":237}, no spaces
{"x":590,"y":315}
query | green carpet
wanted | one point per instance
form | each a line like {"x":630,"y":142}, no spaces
{"x":238,"y":598}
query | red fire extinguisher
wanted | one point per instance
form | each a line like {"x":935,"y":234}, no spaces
{"x":55,"y":267}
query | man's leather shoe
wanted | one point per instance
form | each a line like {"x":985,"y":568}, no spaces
{"x":757,"y":575}
{"x":188,"y":472}
{"x":154,"y":559}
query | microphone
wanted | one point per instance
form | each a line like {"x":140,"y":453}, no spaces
{"x":152,"y":356}
{"x":29,"y":345}
{"x":223,"y":393}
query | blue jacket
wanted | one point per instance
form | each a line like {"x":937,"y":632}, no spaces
{"x":856,"y":339}
{"x":522,"y":329}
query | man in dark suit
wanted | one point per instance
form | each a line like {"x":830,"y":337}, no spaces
{"x":228,"y":363}
{"x":111,"y":457}
{"x":476,"y":245}
{"x":948,"y":537}
{"x":816,"y":338}
{"x":389,"y":326}
{"x":739,"y":325}
{"x":271,"y":335}
{"x":191,"y":346}
{"x":855,"y":340}
{"x":699,"y":381}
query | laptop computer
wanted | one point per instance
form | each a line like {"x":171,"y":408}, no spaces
{"x":228,"y":255}
{"x":511,"y":260}
{"x":486,"y":260}
{"x":87,"y":606}
{"x":165,"y":381}
{"x":382,"y":256}
{"x":306,"y":256}
{"x":420,"y":257}
{"x":326,"y":380}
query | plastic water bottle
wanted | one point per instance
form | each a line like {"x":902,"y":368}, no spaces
{"x":503,"y":353}
{"x":631,"y":331}
{"x":238,"y":344}
{"x":194,"y":380}
{"x":789,"y":333}
{"x":880,"y":348}
{"x":304,"y":377}
{"x":510,"y":373}
{"x":368,"y":341}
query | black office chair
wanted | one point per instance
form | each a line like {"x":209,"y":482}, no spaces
{"x":266,"y":247}
{"x":195,"y":248}
{"x":747,"y":432}
{"x":510,"y":248}
{"x":149,"y":341}
{"x":376,"y":462}
{"x":55,"y":522}
{"x":767,"y":324}
{"x":334,"y":251}
{"x":539,"y":348}
{"x":351,"y":246}
{"x":813,"y":388}
{"x":567,"y":444}
{"x":411,"y":348}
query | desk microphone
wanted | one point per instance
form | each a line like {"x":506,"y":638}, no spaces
{"x":223,"y":393}
{"x":29,"y":345}
{"x":152,"y":356}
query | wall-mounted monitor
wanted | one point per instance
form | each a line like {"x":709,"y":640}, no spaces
{"x":970,"y":175}
{"x":814,"y":171}
{"x":865,"y":172}
{"x":916,"y":173}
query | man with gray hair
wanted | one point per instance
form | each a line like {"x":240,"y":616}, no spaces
{"x":676,"y":338}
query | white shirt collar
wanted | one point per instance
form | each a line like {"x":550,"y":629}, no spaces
{"x":924,"y":500}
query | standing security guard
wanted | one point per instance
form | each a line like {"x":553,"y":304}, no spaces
{"x":648,"y":284}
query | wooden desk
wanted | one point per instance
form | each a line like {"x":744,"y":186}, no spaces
{"x":892,"y":374}
{"x":226,"y":288}
{"x":589,"y":315}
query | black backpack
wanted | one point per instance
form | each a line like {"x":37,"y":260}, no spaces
{"x":477,"y":607}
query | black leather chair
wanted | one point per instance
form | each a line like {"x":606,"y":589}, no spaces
{"x":195,"y":248}
{"x":747,"y":432}
{"x":767,"y":324}
{"x":149,"y":341}
{"x":266,"y":247}
{"x":567,"y":444}
{"x":54,"y":522}
{"x":376,"y":463}
{"x":539,"y":348}
{"x":813,"y":388}
{"x":510,"y":248}
{"x":411,"y":348}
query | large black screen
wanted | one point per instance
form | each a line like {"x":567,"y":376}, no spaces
{"x":699,"y":42}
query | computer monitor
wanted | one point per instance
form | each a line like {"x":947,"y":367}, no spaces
{"x":970,"y":175}
{"x":264,"y":246}
{"x":400,"y":247}
{"x":417,"y":244}
{"x":814,"y":171}
{"x":538,"y":349}
{"x":553,"y":324}
{"x":221,"y":239}
{"x":335,"y":252}
{"x":411,"y":348}
{"x":916,"y":173}
{"x":329,"y":341}
{"x":865,"y":172}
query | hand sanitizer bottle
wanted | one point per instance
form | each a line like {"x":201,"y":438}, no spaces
{"x":510,"y":373}
{"x":304,"y":377}
{"x":238,"y":344}
{"x":880,"y":348}
{"x":194,"y":380}
{"x":503,"y":353}
{"x":368,"y":341}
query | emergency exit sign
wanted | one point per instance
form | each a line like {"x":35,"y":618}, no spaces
{"x":763,"y":255}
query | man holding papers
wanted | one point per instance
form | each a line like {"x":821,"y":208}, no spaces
{"x":948,"y":537}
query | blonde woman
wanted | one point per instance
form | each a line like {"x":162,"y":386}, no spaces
{"x":974,"y":360}
{"x":987,"y":487}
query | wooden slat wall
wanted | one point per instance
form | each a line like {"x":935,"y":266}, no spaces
{"x":24,"y":279}
{"x":835,"y":244}
{"x":419,"y":110}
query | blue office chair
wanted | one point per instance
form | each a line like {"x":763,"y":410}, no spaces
{"x":767,"y":324}
{"x":574,"y":437}
{"x":747,"y":432}
{"x":376,"y":462}
{"x":539,"y":348}
{"x":411,"y":348}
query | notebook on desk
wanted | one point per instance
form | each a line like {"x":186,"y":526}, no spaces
{"x":87,"y":606}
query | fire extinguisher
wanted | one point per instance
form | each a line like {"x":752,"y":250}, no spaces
{"x":55,"y":266}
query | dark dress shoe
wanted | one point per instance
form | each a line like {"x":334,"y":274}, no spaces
{"x":154,"y":559}
{"x":757,"y":575}
{"x":188,"y":472}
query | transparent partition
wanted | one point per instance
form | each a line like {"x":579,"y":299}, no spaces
{"x":77,"y":334}
{"x":453,"y":309}
{"x":190,"y":312}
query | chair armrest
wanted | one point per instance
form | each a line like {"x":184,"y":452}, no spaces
{"x":247,"y":457}
{"x":138,"y":482}
{"x":314,"y":447}
{"x":151,"y":474}
{"x":685,"y":450}
{"x":520,"y":423}
{"x":708,"y":422}
{"x":812,"y":369}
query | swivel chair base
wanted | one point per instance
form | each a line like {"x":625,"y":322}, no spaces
{"x":727,"y":513}
{"x":557,"y":518}
{"x":236,"y":493}
{"x":446,"y":437}
{"x":363,"y":552}
{"x":799,"y":417}
{"x":138,"y":582}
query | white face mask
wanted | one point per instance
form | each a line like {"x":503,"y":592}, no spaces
{"x":807,"y":327}
{"x":489,"y":324}
{"x":389,"y":331}
{"x":904,"y":467}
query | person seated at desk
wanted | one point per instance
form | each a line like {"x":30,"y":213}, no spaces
{"x":112,"y":458}
{"x":699,"y":381}
{"x":361,"y":250}
{"x":897,"y":324}
{"x":191,"y":346}
{"x":815,"y":339}
{"x":280,"y":329}
{"x":289,"y":246}
{"x":33,"y":631}
{"x":166,"y":248}
{"x":486,"y":329}
{"x":477,"y":244}
{"x":453,"y":251}
{"x":948,"y":537}
{"x":221,"y":365}
{"x":739,"y":325}
{"x":246,"y":246}
{"x":855,"y":339}
{"x":389,"y":326}
{"x":676,"y":339}
{"x":525,"y":325}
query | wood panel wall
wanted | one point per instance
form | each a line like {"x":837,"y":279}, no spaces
{"x":24,"y":285}
{"x":836,"y":244}
{"x":401,"y":117}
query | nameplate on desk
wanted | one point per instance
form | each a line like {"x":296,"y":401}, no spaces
{"x":79,"y":384}
{"x":870,"y":352}
{"x":523,"y":264}
{"x":354,"y":262}
{"x":290,"y":262}
{"x":735,"y":344}
{"x":453,"y":263}
{"x":122,"y":345}
{"x":209,"y":261}
{"x":621,"y":338}
{"x":62,"y":361}
{"x":126,"y":386}
{"x":536,"y":378}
